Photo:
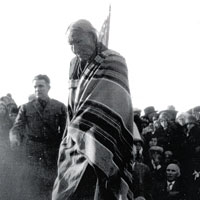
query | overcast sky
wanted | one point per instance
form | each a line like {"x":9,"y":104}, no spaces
{"x":159,"y":39}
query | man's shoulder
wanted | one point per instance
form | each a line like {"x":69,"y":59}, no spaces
{"x":57,"y":102}
{"x":105,"y":51}
{"x":27,"y":105}
{"x":110,"y":52}
{"x":113,"y":56}
{"x":114,"y":61}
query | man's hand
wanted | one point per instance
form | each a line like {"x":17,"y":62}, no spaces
{"x":14,"y":141}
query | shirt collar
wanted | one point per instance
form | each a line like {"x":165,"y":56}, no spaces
{"x":170,"y":183}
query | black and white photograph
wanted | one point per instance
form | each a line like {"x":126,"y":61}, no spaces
{"x":99,"y":100}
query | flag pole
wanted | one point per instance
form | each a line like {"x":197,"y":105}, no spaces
{"x":105,"y":29}
{"x":109,"y":16}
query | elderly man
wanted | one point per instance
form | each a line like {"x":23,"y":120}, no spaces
{"x":42,"y":121}
{"x":98,"y":141}
{"x":173,"y":187}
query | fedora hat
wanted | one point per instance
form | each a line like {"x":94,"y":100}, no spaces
{"x":136,"y":111}
{"x":149,"y":110}
{"x":171,"y":113}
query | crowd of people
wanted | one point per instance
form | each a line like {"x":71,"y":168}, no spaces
{"x":167,"y":156}
{"x":8,"y":113}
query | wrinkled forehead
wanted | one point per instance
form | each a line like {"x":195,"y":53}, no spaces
{"x":80,"y":28}
{"x":39,"y":82}
{"x":173,"y":167}
{"x":74,"y":34}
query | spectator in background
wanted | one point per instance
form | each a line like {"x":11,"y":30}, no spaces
{"x":171,"y":135}
{"x":150,"y":113}
{"x":180,"y":118}
{"x":41,"y":122}
{"x":153,"y":141}
{"x":142,"y":180}
{"x":172,"y":187}
{"x":172,"y":112}
{"x":5,"y":153}
{"x":5,"y":123}
{"x":168,"y":157}
{"x":137,"y":118}
{"x":9,"y":101}
{"x":13,"y":114}
{"x":138,"y":149}
{"x":192,"y":146}
{"x":155,"y":163}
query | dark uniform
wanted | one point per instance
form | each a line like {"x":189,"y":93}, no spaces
{"x":39,"y":126}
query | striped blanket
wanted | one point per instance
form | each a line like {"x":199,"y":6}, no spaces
{"x":100,"y":130}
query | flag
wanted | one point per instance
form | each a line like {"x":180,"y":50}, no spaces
{"x":104,"y":32}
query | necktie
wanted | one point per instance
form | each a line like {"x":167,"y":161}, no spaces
{"x":169,"y":187}
{"x":42,"y":103}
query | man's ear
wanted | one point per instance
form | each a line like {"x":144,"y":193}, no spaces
{"x":93,"y":36}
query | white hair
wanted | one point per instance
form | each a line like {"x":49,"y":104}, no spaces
{"x":177,"y":168}
{"x":84,"y":26}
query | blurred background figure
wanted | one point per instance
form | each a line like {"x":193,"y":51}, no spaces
{"x":5,"y":153}
{"x":192,"y":147}
{"x":13,"y":114}
{"x":150,"y":112}
{"x":155,"y":163}
{"x":9,"y":101}
{"x":137,"y":118}
{"x":31,"y":97}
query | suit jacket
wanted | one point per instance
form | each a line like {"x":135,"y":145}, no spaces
{"x":142,"y":180}
{"x":178,"y":191}
{"x":39,"y":124}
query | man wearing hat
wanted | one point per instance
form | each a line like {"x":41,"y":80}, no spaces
{"x":150,"y":112}
{"x":171,"y":112}
{"x":137,"y":118}
{"x":155,"y":162}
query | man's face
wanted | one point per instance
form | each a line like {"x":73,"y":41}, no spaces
{"x":181,"y":121}
{"x":12,"y":116}
{"x":82,"y":44}
{"x":2,"y":110}
{"x":172,"y":172}
{"x":168,"y":155}
{"x":41,"y":88}
{"x":164,"y":122}
{"x":153,"y":142}
{"x":156,"y":157}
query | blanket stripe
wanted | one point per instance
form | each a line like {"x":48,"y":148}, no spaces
{"x":110,"y":132}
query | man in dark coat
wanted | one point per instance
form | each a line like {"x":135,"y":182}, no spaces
{"x":40,"y":124}
{"x":192,"y":157}
{"x":171,"y":188}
